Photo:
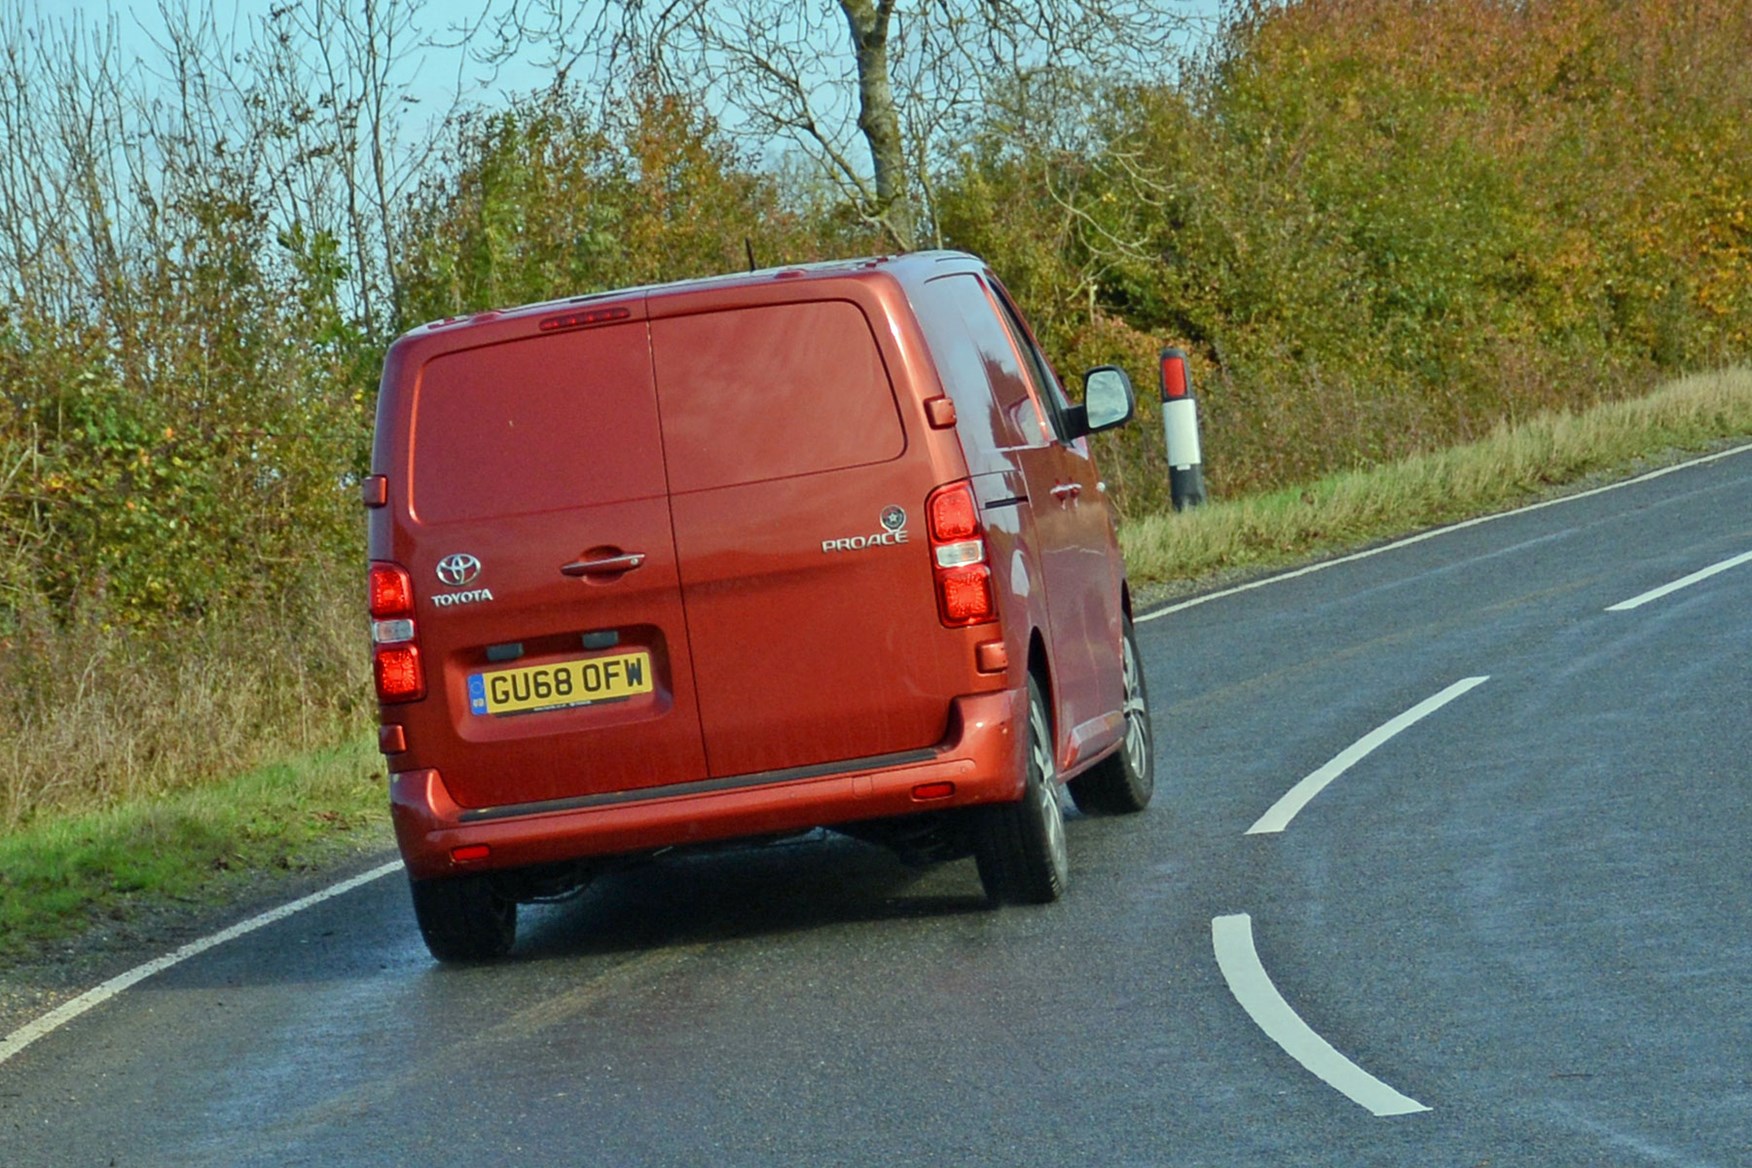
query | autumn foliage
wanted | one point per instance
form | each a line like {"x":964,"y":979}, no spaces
{"x":1379,"y":227}
{"x":1383,"y":227}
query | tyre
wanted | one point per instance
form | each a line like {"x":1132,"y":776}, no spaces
{"x":1020,"y":846}
{"x":1124,"y":781}
{"x":464,"y":918}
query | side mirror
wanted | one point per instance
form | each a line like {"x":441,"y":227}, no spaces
{"x":1108,"y":399}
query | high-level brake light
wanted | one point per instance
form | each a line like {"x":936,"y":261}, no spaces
{"x":583,"y":318}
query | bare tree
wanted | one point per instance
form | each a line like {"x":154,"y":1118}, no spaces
{"x":904,"y":79}
{"x":329,"y":80}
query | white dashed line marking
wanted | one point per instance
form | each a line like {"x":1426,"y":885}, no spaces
{"x":1297,"y":797}
{"x":1232,"y":938}
{"x":1684,"y":582}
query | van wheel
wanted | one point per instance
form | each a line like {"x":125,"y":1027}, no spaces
{"x":1020,"y":846}
{"x":1124,"y":781}
{"x":464,"y":918}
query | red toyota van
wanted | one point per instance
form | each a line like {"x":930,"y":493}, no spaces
{"x":737,"y":558}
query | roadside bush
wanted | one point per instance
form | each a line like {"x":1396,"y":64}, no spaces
{"x":93,"y":713}
{"x":551,"y":198}
{"x":1382,"y":228}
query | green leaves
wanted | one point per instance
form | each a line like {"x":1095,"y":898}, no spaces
{"x":1382,"y":227}
{"x":551,"y":198}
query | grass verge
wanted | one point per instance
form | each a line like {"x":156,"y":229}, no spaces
{"x":96,"y":712}
{"x":61,"y":874}
{"x":1516,"y":464}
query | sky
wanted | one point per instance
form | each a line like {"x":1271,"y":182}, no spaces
{"x":434,"y":76}
{"x":438,"y":72}
{"x":439,"y":76}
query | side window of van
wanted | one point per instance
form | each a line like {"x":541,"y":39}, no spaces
{"x":978,"y":361}
{"x":1051,"y":395}
{"x":750,"y":394}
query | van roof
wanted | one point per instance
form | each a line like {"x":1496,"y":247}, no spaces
{"x":908,"y":268}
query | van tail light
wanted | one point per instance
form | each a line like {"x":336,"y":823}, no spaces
{"x":391,"y":592}
{"x":395,"y":652}
{"x":400,"y":676}
{"x":958,"y":557}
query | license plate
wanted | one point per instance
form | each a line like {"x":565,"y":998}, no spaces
{"x":560,"y":684}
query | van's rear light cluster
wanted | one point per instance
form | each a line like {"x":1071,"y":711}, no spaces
{"x":395,"y":656}
{"x":958,"y":557}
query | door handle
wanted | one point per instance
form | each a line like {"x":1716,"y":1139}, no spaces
{"x":607,"y":566}
{"x":1065,"y":492}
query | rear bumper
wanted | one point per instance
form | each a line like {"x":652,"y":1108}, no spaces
{"x":981,"y":756}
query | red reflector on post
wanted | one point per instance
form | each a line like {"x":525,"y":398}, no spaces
{"x":1176,"y":381}
{"x":468,"y":853}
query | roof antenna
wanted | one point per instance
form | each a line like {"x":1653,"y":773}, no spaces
{"x":748,"y":244}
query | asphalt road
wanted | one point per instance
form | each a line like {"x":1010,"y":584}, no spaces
{"x":1525,"y":914}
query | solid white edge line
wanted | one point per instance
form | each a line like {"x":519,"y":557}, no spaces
{"x":55,"y":1019}
{"x":1683,"y":582}
{"x":1297,"y":797}
{"x":1433,"y":533}
{"x":1232,"y":940}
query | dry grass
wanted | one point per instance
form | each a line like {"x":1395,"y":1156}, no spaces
{"x":1514,"y":465}
{"x":143,"y":768}
{"x":92,"y":715}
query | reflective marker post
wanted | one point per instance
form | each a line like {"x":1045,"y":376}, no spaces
{"x":1180,"y":430}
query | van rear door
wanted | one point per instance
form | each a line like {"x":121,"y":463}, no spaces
{"x":544,"y":562}
{"x":805,"y":567}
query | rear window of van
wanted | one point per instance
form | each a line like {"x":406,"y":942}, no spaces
{"x":566,"y":420}
{"x":773,"y":391}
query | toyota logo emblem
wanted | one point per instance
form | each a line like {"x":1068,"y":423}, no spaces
{"x":458,"y":569}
